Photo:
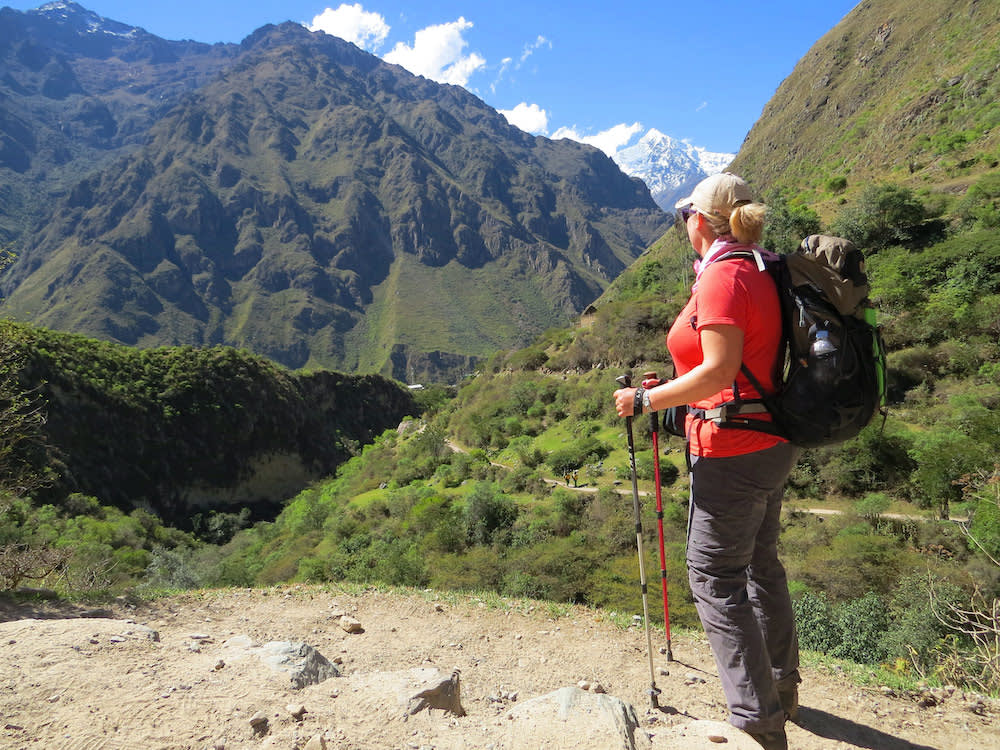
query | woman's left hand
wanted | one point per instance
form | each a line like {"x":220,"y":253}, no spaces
{"x":625,"y":402}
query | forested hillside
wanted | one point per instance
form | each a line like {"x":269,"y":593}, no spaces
{"x":180,"y":431}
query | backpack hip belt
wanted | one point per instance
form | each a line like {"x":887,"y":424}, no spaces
{"x":726,"y":412}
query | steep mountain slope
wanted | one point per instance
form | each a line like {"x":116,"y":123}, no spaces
{"x":77,"y":90}
{"x":323,"y":208}
{"x":897,"y":91}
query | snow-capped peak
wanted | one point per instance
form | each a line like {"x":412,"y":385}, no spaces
{"x":669,"y":167}
{"x":83,"y":20}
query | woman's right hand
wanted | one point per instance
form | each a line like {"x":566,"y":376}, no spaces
{"x":625,"y":401}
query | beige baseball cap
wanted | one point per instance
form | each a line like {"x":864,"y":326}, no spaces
{"x":718,"y":195}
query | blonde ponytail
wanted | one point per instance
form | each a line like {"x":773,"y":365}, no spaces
{"x":746,"y":223}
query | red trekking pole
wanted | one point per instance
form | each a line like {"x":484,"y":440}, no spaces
{"x":649,"y":380}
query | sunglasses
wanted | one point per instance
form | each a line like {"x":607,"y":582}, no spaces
{"x":686,"y":213}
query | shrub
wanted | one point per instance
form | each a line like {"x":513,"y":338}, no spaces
{"x":815,"y":623}
{"x":883,"y":215}
{"x":489,"y":514}
{"x":862,"y":624}
{"x":787,"y":224}
{"x":914,"y":633}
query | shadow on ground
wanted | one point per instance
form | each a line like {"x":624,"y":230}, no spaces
{"x":838,"y":728}
{"x":44,"y":605}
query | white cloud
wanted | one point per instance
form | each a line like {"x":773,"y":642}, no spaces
{"x":504,"y":64}
{"x":609,"y":141}
{"x":529,"y":49}
{"x":353,"y":23}
{"x":529,"y":117}
{"x":438,"y":54}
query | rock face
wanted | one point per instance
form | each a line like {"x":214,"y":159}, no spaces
{"x":303,"y":664}
{"x":594,"y":720}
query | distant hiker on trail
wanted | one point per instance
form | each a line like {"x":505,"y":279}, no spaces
{"x":737,"y":475}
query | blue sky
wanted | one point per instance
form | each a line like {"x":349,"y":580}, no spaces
{"x":602,"y":72}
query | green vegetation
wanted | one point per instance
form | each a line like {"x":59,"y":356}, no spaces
{"x":517,"y":483}
{"x":143,"y":428}
{"x":902,"y":574}
{"x":871,"y":103}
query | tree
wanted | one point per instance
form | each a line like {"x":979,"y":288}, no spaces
{"x":22,"y":417}
{"x":787,"y":224}
{"x":489,"y":514}
{"x":884,"y":215}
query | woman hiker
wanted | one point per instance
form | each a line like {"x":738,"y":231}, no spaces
{"x":737,"y":475}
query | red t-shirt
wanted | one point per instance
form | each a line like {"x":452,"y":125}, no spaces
{"x":730,"y":292}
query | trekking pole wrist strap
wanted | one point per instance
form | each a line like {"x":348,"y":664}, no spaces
{"x":641,"y":403}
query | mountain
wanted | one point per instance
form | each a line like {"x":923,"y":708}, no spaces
{"x":306,"y":201}
{"x":896,"y":92}
{"x":78,"y":91}
{"x":671,"y":168}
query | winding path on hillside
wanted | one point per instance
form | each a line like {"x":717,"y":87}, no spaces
{"x":645,"y":493}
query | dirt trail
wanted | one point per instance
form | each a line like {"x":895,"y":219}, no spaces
{"x":102,"y":683}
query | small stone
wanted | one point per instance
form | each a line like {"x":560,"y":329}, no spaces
{"x":117,"y":639}
{"x":316,"y":743}
{"x":598,"y":688}
{"x":717,"y":738}
{"x":220,"y":664}
{"x":54,"y":698}
{"x":350,"y":625}
{"x":258,"y":722}
{"x":199,"y":637}
{"x":664,"y":671}
{"x":439,"y":607}
{"x":583,"y":685}
{"x":297,"y":710}
{"x":927,"y":700}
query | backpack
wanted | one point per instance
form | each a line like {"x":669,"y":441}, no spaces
{"x":831,"y":368}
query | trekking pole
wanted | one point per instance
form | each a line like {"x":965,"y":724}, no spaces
{"x":626,"y":382}
{"x":654,"y":424}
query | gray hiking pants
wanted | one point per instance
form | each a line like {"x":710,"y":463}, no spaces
{"x":739,"y":585}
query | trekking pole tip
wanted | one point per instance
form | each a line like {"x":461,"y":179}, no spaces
{"x":624,"y":380}
{"x":670,"y":654}
{"x":653,"y":692}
